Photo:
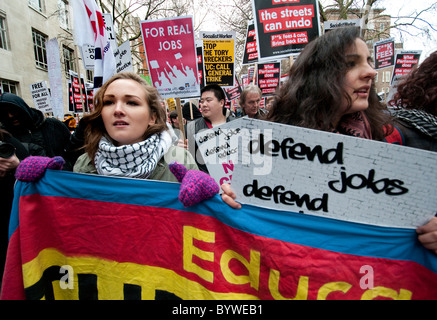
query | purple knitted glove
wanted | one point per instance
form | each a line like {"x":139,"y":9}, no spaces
{"x":33,"y":168}
{"x":196,"y":185}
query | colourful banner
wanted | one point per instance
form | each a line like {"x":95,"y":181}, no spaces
{"x":77,"y":236}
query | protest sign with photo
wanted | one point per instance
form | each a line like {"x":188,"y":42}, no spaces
{"x":250,"y":54}
{"x":284,"y":28}
{"x":171,"y":56}
{"x":218,"y":57}
{"x":41,"y":96}
{"x":269,"y":75}
{"x":384,"y":53}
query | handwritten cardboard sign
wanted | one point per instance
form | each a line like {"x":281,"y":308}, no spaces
{"x":123,"y":57}
{"x":312,"y":172}
{"x":218,"y":148}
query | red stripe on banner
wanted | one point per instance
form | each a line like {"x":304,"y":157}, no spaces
{"x":220,"y":258}
{"x":12,"y":284}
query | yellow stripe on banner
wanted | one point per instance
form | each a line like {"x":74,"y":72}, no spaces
{"x":112,"y":277}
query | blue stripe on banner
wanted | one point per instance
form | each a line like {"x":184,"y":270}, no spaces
{"x":313,"y":231}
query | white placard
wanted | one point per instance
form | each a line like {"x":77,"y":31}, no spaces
{"x":123,"y":57}
{"x":218,"y":148}
{"x":41,"y":96}
{"x":87,"y":51}
{"x":55,"y":78}
{"x":331,"y":175}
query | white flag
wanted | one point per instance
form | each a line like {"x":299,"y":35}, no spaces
{"x":89,"y":28}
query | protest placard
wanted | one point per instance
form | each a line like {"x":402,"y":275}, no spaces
{"x":171,"y":103}
{"x":123,"y":57}
{"x":283,"y":28}
{"x":250,"y":54}
{"x":218,"y":57}
{"x":55,"y":77}
{"x":200,"y":68}
{"x":77,"y":93}
{"x":218,"y":147}
{"x":269,"y":75}
{"x":233,"y":93}
{"x":384,"y":53}
{"x":171,"y":56}
{"x":87,"y":52}
{"x":314,"y":172}
{"x":41,"y":96}
{"x":335,"y":24}
{"x":405,"y":61}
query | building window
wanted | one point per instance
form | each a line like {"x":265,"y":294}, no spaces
{"x":63,"y":14}
{"x":69,"y":60}
{"x":387,"y":76}
{"x":8,"y":86}
{"x":39,"y":48}
{"x":3,"y":33}
{"x":36,"y":4}
{"x":90,"y":75}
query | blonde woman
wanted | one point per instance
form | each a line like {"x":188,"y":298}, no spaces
{"x":127,"y":134}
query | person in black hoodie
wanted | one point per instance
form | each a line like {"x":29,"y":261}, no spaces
{"x":40,"y":135}
{"x":11,"y":153}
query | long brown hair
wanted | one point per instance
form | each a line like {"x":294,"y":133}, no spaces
{"x":95,"y":129}
{"x":312,"y":95}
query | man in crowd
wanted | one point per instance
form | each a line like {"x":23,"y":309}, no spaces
{"x":214,"y":113}
{"x":250,"y":99}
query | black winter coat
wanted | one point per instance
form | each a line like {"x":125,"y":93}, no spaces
{"x":35,"y":130}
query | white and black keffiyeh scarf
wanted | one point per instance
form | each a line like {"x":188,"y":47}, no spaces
{"x":136,"y":160}
{"x":419,"y":119}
